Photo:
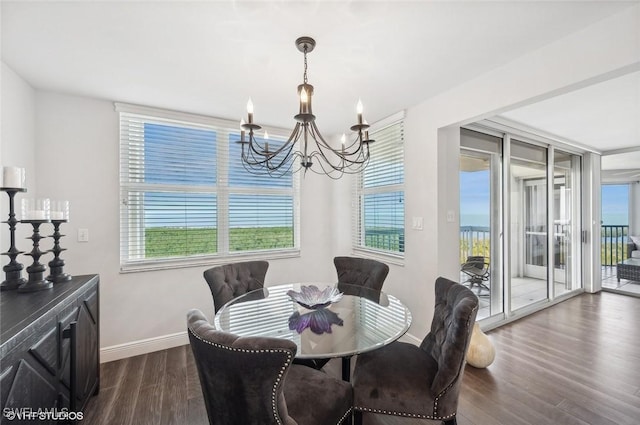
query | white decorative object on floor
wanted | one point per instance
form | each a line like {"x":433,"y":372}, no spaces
{"x":481,"y":352}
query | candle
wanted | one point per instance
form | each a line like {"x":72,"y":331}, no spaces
{"x":250,"y":111}
{"x":36,"y":209}
{"x":359,"y":111}
{"x":304,"y":101}
{"x":13,"y":177}
{"x":241,"y":130}
{"x":37,"y":215}
{"x":59,"y":210}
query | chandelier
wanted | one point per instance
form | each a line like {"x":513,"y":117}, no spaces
{"x":305,"y":148}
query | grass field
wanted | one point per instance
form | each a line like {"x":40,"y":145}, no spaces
{"x":179,"y":242}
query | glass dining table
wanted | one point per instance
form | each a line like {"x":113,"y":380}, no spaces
{"x":360,"y":320}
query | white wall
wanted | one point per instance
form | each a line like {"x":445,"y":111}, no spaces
{"x":78,"y":153}
{"x":634,"y":208}
{"x":17,"y":147}
{"x":604,"y":50}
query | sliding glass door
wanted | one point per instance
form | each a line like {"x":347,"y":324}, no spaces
{"x":520,"y":222}
{"x":481,"y":218}
{"x":566,"y":221}
{"x":528,"y":224}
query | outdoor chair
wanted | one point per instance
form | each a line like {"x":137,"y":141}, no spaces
{"x":477,"y":270}
{"x":402,"y":379}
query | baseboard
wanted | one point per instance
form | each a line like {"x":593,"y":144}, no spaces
{"x":411,"y":339}
{"x":143,"y":346}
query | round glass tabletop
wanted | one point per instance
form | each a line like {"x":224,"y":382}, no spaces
{"x":361,"y":320}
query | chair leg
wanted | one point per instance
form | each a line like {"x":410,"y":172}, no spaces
{"x":451,"y":421}
{"x":357,"y":417}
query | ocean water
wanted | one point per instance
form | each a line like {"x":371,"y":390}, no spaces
{"x":619,"y":219}
{"x":477,"y":220}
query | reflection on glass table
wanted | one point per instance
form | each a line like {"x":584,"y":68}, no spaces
{"x":369,"y":320}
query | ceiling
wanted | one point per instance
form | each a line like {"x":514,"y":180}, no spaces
{"x":210,"y":57}
{"x":604,"y":116}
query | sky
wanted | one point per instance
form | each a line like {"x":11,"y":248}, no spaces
{"x":615,"y":204}
{"x":474,"y":201}
{"x":474,"y":198}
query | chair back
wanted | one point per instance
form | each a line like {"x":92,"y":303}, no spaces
{"x":232,"y":280}
{"x":241,"y":378}
{"x":362,"y":272}
{"x":476,"y":261}
{"x":447,"y":342}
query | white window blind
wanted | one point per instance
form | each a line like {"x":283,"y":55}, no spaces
{"x":379,"y":219}
{"x":185,"y":195}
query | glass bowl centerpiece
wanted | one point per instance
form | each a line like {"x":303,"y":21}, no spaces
{"x":311,"y":297}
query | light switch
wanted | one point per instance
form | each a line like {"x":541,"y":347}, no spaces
{"x":83,"y":235}
{"x":417,"y":223}
{"x":451,"y":216}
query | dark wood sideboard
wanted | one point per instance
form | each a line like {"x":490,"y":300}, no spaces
{"x":49,"y":352}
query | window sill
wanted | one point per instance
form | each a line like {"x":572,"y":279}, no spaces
{"x":397,"y":259}
{"x":211,"y":261}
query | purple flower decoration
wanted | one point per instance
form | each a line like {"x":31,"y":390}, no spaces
{"x":311,"y":297}
{"x":319,"y":321}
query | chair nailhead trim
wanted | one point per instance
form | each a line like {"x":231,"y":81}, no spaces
{"x":274,"y":390}
{"x":344,"y":416}
{"x":405,"y":414}
{"x":416,"y":415}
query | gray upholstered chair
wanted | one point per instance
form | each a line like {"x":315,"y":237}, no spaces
{"x":232,"y":280}
{"x":363,"y":272}
{"x":402,"y":379}
{"x":633,"y":247}
{"x":251,"y":380}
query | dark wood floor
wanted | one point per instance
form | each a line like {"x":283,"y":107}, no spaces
{"x":575,"y":363}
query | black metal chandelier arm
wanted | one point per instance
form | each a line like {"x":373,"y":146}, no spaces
{"x":346,"y":165}
{"x":345,"y":152}
{"x":335,"y":172}
{"x":305,"y":146}
{"x":259,"y":159}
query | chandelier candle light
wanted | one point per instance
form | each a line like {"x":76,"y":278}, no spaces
{"x":305,"y":145}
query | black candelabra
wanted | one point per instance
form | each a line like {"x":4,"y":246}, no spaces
{"x":13,"y":270}
{"x":56,"y":266}
{"x":36,"y":281}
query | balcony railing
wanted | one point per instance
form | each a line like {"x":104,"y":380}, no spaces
{"x":475,"y":240}
{"x":614,"y":244}
{"x":388,"y":239}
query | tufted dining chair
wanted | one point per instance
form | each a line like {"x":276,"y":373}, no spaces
{"x":251,"y":380}
{"x":363,"y":272}
{"x":232,"y":280}
{"x":402,"y":379}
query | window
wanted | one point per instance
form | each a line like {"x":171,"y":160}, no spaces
{"x":380,"y":191}
{"x":186,"y":197}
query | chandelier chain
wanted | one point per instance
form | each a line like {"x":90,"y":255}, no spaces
{"x":305,"y":64}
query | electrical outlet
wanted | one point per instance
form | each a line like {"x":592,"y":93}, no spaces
{"x":83,"y":235}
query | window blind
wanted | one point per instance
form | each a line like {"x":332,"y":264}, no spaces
{"x":379,"y":220}
{"x":185,"y":194}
